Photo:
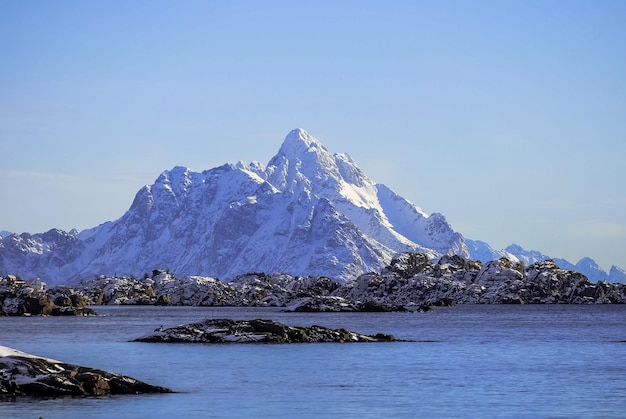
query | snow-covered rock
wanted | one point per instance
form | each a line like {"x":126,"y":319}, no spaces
{"x":337,"y":304}
{"x":411,"y":282}
{"x":321,"y":304}
{"x":412,"y":279}
{"x":256,"y":331}
{"x":22,"y":374}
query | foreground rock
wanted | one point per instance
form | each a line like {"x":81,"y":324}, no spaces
{"x":22,"y":374}
{"x":257,"y":331}
{"x":30,"y":298}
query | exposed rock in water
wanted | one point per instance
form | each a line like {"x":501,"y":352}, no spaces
{"x":22,"y":374}
{"x":339,"y":304}
{"x":31,"y":298}
{"x":256,"y":331}
{"x":321,"y":303}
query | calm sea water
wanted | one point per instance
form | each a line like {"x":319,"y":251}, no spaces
{"x":467,"y":361}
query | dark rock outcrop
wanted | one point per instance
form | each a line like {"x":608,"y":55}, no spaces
{"x":31,"y":298}
{"x":22,"y":374}
{"x":256,"y":331}
{"x":410,"y":280}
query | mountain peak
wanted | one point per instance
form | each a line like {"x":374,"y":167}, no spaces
{"x":300,"y":159}
{"x":307,"y":212}
{"x":298,"y":142}
{"x":299,"y":134}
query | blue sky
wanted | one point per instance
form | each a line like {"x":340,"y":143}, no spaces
{"x":509,"y":117}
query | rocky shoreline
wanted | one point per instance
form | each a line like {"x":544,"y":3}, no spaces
{"x":256,"y":331}
{"x":410,"y":282}
{"x":32,"y":298}
{"x":22,"y":374}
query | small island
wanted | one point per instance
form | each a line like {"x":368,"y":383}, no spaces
{"x":256,"y":331}
{"x":22,"y":374}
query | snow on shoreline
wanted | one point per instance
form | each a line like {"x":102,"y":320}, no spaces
{"x":6,"y":351}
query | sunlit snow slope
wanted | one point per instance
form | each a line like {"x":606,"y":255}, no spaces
{"x":308,"y":212}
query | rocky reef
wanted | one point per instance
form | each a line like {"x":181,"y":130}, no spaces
{"x":256,"y":331}
{"x":22,"y":374}
{"x":27,"y":298}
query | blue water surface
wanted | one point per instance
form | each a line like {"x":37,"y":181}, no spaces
{"x":464,"y":361}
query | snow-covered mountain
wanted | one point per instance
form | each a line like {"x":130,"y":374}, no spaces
{"x":617,"y":274}
{"x":308,"y":212}
{"x":587,"y":266}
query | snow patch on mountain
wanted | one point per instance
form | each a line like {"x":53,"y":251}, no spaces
{"x":479,"y":250}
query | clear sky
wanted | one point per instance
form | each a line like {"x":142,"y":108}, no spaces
{"x":508,"y":117}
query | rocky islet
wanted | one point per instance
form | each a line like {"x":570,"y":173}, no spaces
{"x":257,"y":331}
{"x":22,"y":374}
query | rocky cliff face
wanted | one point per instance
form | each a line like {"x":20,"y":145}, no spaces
{"x":308,"y":211}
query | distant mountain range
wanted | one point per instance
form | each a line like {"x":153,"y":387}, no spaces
{"x":307,"y":212}
{"x":482,"y":251}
